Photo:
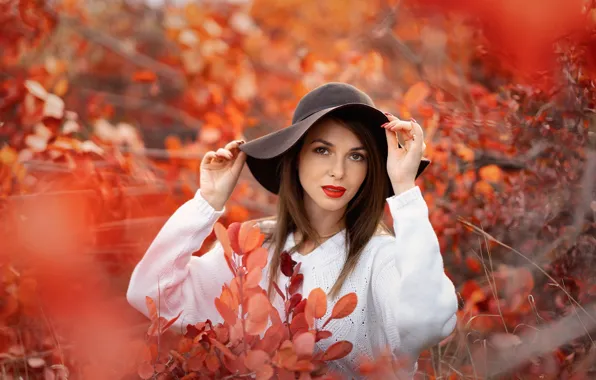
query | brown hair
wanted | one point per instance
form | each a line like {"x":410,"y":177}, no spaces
{"x":363,"y":216}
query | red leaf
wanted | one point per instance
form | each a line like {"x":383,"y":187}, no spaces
{"x":293,"y":302}
{"x":338,"y":350}
{"x":151,"y":308}
{"x":233,"y":230}
{"x":287,"y":264}
{"x":300,"y":307}
{"x":227,"y":314}
{"x":323,"y":334}
{"x":299,"y":324}
{"x":295,"y":283}
{"x":278,"y":290}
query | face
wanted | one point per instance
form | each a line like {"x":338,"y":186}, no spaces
{"x":332,"y":165}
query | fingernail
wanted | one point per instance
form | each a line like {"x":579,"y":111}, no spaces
{"x":384,"y":125}
{"x":414,"y":120}
{"x":387,"y":113}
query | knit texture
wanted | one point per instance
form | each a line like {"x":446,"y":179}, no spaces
{"x":405,"y":300}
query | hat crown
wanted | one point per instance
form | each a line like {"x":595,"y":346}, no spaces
{"x":329,"y":95}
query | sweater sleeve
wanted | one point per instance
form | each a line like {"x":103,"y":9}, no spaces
{"x":175,"y":279}
{"x":416,"y":301}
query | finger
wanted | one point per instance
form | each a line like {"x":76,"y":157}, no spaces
{"x":209,"y":157}
{"x":233,"y":144}
{"x":240,"y":160}
{"x":224,"y":153}
{"x":390,"y":116}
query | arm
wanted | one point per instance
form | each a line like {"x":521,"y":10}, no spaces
{"x":176,"y":280}
{"x":411,"y":293}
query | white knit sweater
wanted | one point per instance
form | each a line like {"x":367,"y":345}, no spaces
{"x":405,"y":300}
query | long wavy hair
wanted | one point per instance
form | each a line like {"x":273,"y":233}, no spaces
{"x":363,"y":216}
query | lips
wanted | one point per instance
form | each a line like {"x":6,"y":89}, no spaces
{"x":334,"y":191}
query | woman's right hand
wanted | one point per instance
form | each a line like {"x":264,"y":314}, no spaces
{"x":219,"y":173}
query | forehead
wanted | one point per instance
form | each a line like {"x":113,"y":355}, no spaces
{"x":330,"y":129}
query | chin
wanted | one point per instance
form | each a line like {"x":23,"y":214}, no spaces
{"x":331,"y":204}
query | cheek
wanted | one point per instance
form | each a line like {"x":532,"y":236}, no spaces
{"x":359,"y":173}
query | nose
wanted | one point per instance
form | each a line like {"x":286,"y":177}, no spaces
{"x":337,"y":169}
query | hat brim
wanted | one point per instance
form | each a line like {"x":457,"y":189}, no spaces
{"x":264,"y":152}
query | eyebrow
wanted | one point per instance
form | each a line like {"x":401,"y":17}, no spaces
{"x":325,"y":142}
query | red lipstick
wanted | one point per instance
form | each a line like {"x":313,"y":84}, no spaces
{"x":334,"y":191}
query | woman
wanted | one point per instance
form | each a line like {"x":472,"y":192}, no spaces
{"x":334,"y":169}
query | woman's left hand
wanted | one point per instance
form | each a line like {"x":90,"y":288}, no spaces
{"x":403,"y":162}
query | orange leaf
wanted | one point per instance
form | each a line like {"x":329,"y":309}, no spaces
{"x":225,"y":350}
{"x":145,"y":370}
{"x":170,"y":323}
{"x":304,"y":344}
{"x":258,"y":307}
{"x":484,"y":188}
{"x":491,"y":173}
{"x":255,"y":359}
{"x":465,"y":153}
{"x":338,"y":350}
{"x":265,"y":372}
{"x":212,"y":362}
{"x":224,"y":238}
{"x":416,"y":94}
{"x":317,"y":299}
{"x":345,"y":306}
{"x":258,"y":313}
{"x":248,"y":237}
{"x":226,"y":312}
{"x":253,"y":278}
{"x":233,"y":230}
{"x":151,"y":307}
{"x":255,"y":327}
{"x":144,"y":76}
{"x":257,"y":258}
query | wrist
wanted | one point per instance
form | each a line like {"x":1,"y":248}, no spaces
{"x":213,"y":201}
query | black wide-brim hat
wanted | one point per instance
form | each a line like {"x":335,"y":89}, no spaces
{"x":264,"y":153}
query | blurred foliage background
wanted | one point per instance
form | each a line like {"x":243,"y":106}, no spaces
{"x":106,"y":108}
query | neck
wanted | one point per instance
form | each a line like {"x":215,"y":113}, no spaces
{"x":326,"y":223}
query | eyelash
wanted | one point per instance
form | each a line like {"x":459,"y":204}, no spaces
{"x":318,"y":151}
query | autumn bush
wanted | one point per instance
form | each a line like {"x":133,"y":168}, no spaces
{"x":106,"y":111}
{"x":253,"y":340}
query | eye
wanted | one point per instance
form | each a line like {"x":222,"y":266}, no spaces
{"x":357,"y":157}
{"x":321,"y":150}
